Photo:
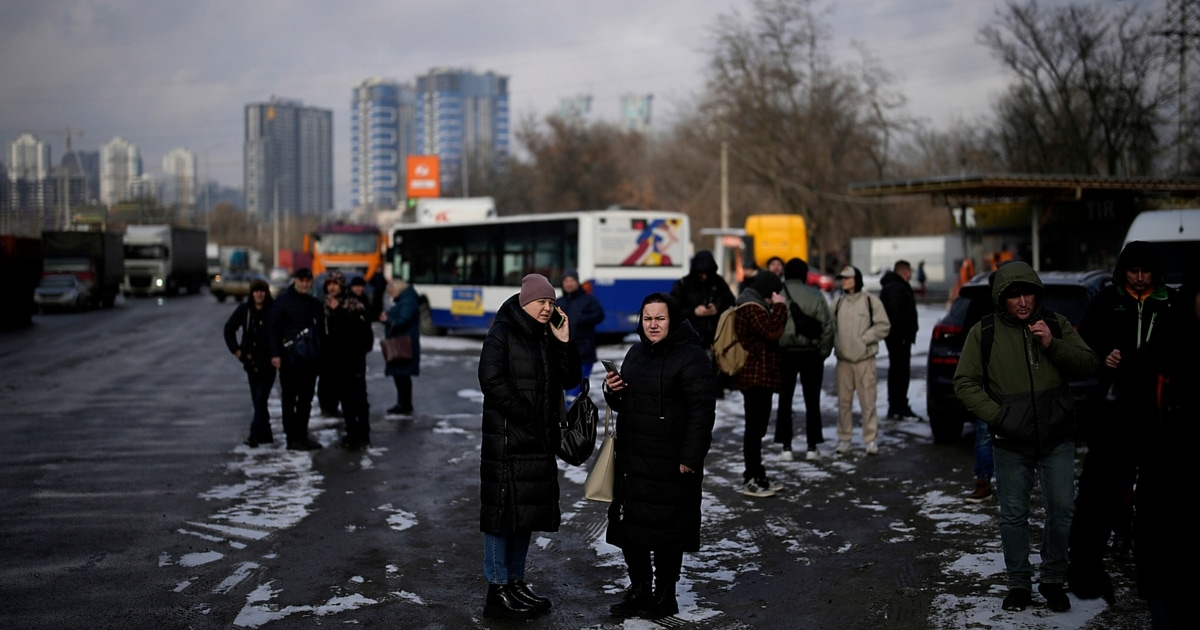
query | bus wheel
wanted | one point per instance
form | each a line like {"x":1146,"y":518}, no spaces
{"x":427,"y":327}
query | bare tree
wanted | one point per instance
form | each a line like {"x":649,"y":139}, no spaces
{"x":798,"y":125}
{"x":1085,"y":99}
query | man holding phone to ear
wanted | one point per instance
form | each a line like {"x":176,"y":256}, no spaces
{"x":584,"y":312}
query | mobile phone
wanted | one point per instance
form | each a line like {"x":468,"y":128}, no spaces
{"x":556,"y":318}
{"x":609,"y":365}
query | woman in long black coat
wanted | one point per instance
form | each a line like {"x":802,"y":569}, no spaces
{"x":524,"y":366}
{"x":663,"y":396}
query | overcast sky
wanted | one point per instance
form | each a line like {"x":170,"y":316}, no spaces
{"x":165,"y":74}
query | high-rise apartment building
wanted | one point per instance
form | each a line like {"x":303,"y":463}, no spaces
{"x":120,"y":168}
{"x":382,"y":132}
{"x":635,"y":112}
{"x":574,"y":110}
{"x":462,"y":117}
{"x":180,"y":181}
{"x":28,"y":173}
{"x":288,"y":159}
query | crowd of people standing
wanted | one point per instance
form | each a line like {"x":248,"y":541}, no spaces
{"x":1012,"y":376}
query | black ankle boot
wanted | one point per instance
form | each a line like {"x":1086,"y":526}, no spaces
{"x":502,"y":603}
{"x":522,"y":591}
{"x":634,"y":601}
{"x":662,"y":603}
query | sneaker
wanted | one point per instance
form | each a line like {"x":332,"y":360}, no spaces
{"x":754,"y":489}
{"x":769,"y":484}
{"x":843,"y":448}
{"x":872,"y":448}
{"x":1056,"y":596}
{"x":983,"y":492}
{"x":813,"y":455}
{"x":786,"y":455}
{"x":1017,"y":599}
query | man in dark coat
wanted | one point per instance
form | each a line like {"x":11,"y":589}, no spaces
{"x":294,"y":321}
{"x":665,"y":410}
{"x":585,"y":312}
{"x":1122,"y":320}
{"x":524,"y":366}
{"x":901,"y":306}
{"x":703,"y":296}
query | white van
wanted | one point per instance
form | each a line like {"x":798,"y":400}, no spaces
{"x":1178,"y":235}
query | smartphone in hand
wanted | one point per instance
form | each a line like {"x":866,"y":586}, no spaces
{"x":609,"y":366}
{"x":556,"y":318}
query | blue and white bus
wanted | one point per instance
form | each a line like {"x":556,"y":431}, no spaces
{"x":464,"y":271}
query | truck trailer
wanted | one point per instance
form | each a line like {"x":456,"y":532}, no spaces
{"x":20,"y":270}
{"x":96,"y":258}
{"x":164,"y":259}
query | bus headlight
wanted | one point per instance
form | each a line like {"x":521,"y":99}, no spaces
{"x":158,"y":282}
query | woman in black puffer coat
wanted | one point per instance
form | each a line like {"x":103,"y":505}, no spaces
{"x":664,"y":401}
{"x":524,"y":367}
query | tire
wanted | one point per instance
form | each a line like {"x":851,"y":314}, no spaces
{"x":427,"y":327}
{"x":946,"y":427}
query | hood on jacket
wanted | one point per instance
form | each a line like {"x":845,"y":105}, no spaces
{"x":1015,"y":277}
{"x":679,"y":330}
{"x":512,"y":314}
{"x":1139,"y":254}
{"x":858,"y":281}
{"x":703,"y":262}
{"x":890,"y":277}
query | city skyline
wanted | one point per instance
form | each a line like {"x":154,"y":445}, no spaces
{"x":101,"y":69}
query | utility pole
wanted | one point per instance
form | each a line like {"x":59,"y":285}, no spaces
{"x":1182,"y":21}
{"x":724,"y":185}
{"x":276,"y":222}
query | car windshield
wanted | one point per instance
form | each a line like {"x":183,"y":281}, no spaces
{"x":58,"y":282}
{"x":975,"y":302}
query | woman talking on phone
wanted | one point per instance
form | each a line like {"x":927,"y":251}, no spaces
{"x":663,"y":396}
{"x":527,"y":361}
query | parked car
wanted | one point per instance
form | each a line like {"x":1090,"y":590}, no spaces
{"x":233,"y":284}
{"x":1068,"y":293}
{"x":279,"y":279}
{"x":61,"y":291}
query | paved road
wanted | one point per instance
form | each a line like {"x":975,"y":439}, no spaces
{"x":126,"y":500}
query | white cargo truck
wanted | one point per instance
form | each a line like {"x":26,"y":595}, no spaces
{"x":164,"y":259}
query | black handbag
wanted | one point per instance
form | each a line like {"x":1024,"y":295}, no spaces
{"x":579,"y":429}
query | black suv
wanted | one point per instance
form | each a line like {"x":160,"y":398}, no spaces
{"x":1068,"y":293}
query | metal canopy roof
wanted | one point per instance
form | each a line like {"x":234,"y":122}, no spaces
{"x":1010,"y":185}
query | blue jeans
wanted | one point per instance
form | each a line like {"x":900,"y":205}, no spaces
{"x":260,"y":391}
{"x":1014,"y":477}
{"x":504,"y":556}
{"x":585,"y":372}
{"x":985,"y":464}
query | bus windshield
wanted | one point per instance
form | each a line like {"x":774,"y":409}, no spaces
{"x":342,"y":243}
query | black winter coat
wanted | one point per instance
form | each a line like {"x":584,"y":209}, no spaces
{"x":690,"y":291}
{"x":664,"y":419}
{"x":901,"y":306}
{"x":292,"y":313}
{"x":256,"y":355}
{"x":523,"y":371}
{"x":584,"y":312}
{"x":346,"y":338}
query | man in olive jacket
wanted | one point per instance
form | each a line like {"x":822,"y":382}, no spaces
{"x":1022,"y":393}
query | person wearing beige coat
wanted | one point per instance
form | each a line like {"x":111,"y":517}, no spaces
{"x":862,"y":323}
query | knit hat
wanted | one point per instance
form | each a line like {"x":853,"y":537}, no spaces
{"x":535,"y":286}
{"x":358,"y":281}
{"x":766,"y":283}
{"x":303,"y":273}
{"x":571,"y":273}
